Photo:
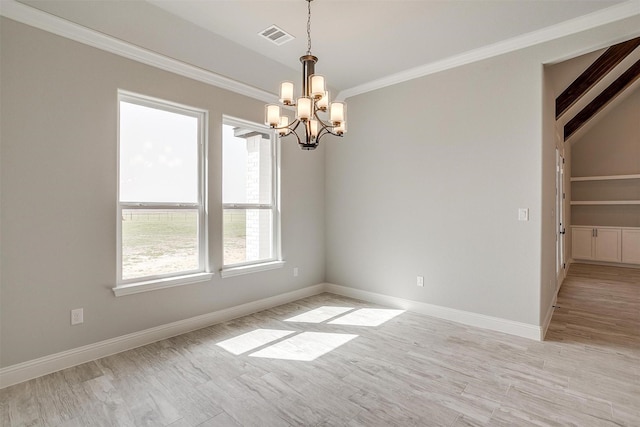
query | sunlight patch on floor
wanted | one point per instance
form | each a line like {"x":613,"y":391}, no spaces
{"x":367,"y":317}
{"x":252,"y":340}
{"x":306,"y":346}
{"x":319,"y":314}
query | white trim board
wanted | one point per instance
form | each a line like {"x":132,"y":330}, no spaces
{"x":56,"y":25}
{"x":45,"y":365}
{"x":36,"y":18}
{"x":605,"y":16}
{"x":547,"y":318}
{"x":524,"y":330}
{"x":604,"y":263}
{"x":25,"y":371}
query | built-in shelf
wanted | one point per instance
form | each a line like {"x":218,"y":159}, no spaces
{"x":605,"y":202}
{"x":612,"y":200}
{"x":604,"y":177}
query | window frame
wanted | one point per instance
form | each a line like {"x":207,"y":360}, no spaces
{"x":275,"y":261}
{"x":203,"y":271}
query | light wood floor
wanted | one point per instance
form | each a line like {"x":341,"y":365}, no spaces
{"x":410,"y":370}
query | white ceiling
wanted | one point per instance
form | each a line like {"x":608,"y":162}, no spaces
{"x":361,"y":41}
{"x":357,"y":41}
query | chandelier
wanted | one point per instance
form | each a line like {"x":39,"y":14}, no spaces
{"x":309,"y":107}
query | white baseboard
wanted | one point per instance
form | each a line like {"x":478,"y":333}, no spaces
{"x":525,"y":330}
{"x":604,"y":263}
{"x":45,"y":365}
{"x":547,"y":318}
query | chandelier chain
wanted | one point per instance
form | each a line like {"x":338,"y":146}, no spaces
{"x":309,"y":27}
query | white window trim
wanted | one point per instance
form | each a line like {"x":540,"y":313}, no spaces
{"x":236,"y":270}
{"x":203,"y":272}
{"x":169,"y":282}
{"x":276,"y":261}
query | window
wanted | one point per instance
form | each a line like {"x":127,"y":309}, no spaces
{"x":251,"y":231}
{"x":162,"y":222}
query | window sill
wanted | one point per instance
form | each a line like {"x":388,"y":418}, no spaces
{"x":152,"y":285}
{"x":253,"y":268}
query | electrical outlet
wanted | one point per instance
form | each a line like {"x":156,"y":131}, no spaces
{"x":77,"y":316}
{"x":295,"y":271}
{"x":420,"y":281}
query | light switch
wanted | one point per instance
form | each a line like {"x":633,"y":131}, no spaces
{"x":523,"y":214}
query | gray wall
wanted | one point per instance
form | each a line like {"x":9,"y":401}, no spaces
{"x":58,"y":196}
{"x":427,"y":182}
{"x":432,"y":173}
{"x":610,"y":147}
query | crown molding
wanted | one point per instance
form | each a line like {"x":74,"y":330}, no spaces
{"x":36,"y":18}
{"x":611,"y":14}
{"x":62,"y":27}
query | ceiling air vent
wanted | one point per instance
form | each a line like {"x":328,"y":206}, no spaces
{"x":276,"y":35}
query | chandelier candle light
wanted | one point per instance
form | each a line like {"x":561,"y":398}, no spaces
{"x":314,"y":101}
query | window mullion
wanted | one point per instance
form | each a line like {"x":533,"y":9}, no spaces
{"x":146,"y":205}
{"x":246,"y":206}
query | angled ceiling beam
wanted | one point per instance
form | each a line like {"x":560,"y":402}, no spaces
{"x":592,"y":75}
{"x":600,"y":101}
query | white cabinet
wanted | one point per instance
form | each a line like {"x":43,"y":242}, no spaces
{"x":608,"y":245}
{"x":582,"y":242}
{"x":597,"y":243}
{"x":631,"y":246}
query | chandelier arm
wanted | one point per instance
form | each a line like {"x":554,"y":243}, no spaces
{"x":330,"y":132}
{"x":327,"y":127}
{"x":296,"y":122}
{"x":297,"y":136}
{"x":292,"y":130}
{"x":327,"y":131}
{"x":321,"y":134}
